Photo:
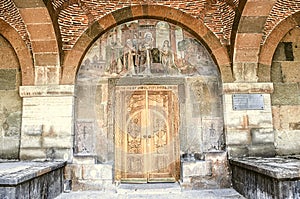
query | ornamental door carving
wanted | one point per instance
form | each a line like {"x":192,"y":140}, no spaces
{"x":146,"y":134}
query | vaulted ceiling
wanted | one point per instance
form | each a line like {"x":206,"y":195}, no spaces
{"x":75,"y":16}
{"x":238,"y":25}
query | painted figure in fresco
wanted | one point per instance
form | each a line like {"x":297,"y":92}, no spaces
{"x":135,"y":44}
{"x":145,"y":56}
{"x":108,"y":56}
{"x":128,"y":57}
{"x":166,"y":56}
{"x":187,"y":48}
{"x":118,"y":50}
{"x":114,"y":53}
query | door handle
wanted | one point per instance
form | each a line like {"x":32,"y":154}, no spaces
{"x":149,"y":136}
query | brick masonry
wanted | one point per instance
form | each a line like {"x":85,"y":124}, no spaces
{"x":74,"y":18}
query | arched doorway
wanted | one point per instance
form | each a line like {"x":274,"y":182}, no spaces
{"x":10,"y":101}
{"x":148,"y":96}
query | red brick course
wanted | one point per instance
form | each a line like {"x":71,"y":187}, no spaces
{"x":280,"y":11}
{"x":11,"y":14}
{"x":22,"y":51}
{"x":271,"y":42}
{"x":75,"y":16}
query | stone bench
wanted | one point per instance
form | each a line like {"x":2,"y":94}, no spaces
{"x":31,"y":179}
{"x":263,"y":178}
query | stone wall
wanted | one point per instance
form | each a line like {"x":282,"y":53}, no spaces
{"x":10,"y":102}
{"x":211,"y":173}
{"x":47,"y":122}
{"x":285,"y":74}
{"x":85,"y":174}
{"x":249,"y":132}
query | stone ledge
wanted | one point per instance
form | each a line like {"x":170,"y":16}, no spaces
{"x":276,"y":167}
{"x":233,"y":88}
{"x":47,"y":91}
{"x":276,"y":177}
{"x":14,"y":173}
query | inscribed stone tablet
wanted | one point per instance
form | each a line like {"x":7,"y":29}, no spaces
{"x":247,"y":102}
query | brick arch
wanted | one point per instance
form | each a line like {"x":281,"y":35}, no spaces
{"x":270,"y":45}
{"x":23,"y":53}
{"x":197,"y":27}
{"x":248,"y":39}
{"x":44,"y":36}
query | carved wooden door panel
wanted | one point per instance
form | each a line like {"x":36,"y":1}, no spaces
{"x":146,"y":134}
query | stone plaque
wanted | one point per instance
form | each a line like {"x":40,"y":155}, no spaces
{"x":247,"y":102}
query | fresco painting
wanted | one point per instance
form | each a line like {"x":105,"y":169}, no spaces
{"x":146,"y":48}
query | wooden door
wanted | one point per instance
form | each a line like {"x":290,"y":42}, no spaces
{"x":146,"y":134}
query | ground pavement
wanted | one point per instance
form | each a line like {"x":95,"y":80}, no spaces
{"x":153,"y":191}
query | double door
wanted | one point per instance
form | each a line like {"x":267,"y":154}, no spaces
{"x":146,"y":134}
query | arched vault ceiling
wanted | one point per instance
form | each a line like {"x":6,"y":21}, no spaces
{"x":74,"y":16}
{"x":11,"y":15}
{"x":280,"y":11}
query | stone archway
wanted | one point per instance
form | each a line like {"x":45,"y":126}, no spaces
{"x":171,"y":81}
{"x":75,"y":56}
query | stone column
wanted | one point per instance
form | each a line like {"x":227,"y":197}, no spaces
{"x":249,"y":131}
{"x":47,"y":122}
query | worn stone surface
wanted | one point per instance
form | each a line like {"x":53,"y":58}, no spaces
{"x":287,"y":142}
{"x":48,"y":129}
{"x":286,"y":127}
{"x":246,"y":129}
{"x":31,"y":179}
{"x":263,"y":73}
{"x":8,"y":58}
{"x":260,"y":136}
{"x":262,"y":150}
{"x":276,"y":72}
{"x":252,"y":24}
{"x":10,"y":102}
{"x":159,"y":193}
{"x":8,"y":79}
{"x":276,"y":177}
{"x":195,"y":168}
{"x":211,"y":173}
{"x":285,"y":99}
{"x":85,"y":175}
{"x":286,"y":94}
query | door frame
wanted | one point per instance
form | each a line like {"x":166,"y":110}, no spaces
{"x":117,"y":176}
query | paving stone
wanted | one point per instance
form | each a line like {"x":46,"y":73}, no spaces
{"x":203,"y":194}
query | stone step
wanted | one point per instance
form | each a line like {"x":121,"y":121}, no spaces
{"x":149,"y":188}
